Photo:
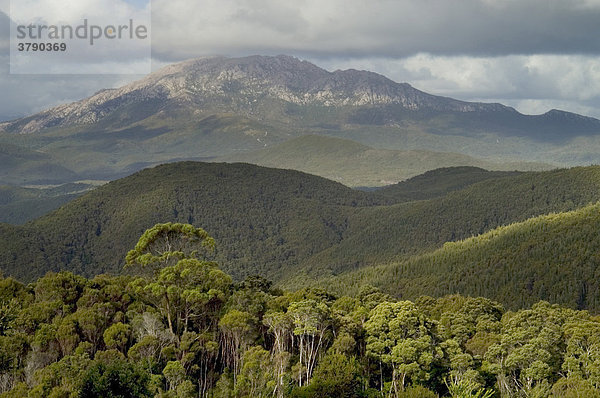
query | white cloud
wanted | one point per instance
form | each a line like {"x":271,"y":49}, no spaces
{"x":532,"y":84}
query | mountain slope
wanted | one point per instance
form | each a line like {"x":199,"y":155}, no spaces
{"x":439,"y":182}
{"x":278,"y":222}
{"x":357,"y":165}
{"x":19,"y":205}
{"x":216,"y":106}
{"x":21,"y":165}
{"x":385,"y":233}
{"x":265,"y":220}
{"x":554,"y":258}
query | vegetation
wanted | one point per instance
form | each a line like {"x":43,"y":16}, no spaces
{"x":22,"y":165}
{"x":440,"y":182}
{"x":19,"y":205}
{"x":187,"y":330}
{"x":358,"y":165}
{"x":553,"y":258}
{"x":284,"y":223}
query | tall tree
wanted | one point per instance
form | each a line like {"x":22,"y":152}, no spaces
{"x":399,"y":335}
{"x":165,"y":244}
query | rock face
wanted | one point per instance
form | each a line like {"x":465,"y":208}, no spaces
{"x":240,"y":82}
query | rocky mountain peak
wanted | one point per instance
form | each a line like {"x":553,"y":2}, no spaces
{"x":211,"y":82}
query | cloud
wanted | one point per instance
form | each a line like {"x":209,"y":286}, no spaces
{"x":378,"y":28}
{"x":532,"y":84}
{"x":533,"y":55}
{"x":26,"y":94}
{"x":98,"y":36}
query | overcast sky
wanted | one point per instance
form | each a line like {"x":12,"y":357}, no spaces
{"x":534,"y":55}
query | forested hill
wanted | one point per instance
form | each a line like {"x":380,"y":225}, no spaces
{"x":262,"y":219}
{"x":279,"y":222}
{"x":553,"y":257}
{"x":439,"y":182}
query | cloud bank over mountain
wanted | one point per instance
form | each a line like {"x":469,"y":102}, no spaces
{"x":534,"y":55}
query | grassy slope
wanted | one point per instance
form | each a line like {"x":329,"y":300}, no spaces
{"x":356,"y":165}
{"x":20,"y":165}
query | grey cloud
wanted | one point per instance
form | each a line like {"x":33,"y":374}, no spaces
{"x":26,"y":94}
{"x":469,"y":49}
{"x":380,"y":28}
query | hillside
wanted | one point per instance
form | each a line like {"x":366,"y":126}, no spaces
{"x":221,"y":107}
{"x":265,"y":220}
{"x":439,"y":182}
{"x":553,"y":257}
{"x":19,"y":205}
{"x":358,"y":165}
{"x":20,"y":166}
{"x":279,"y":222}
{"x":384,"y":233}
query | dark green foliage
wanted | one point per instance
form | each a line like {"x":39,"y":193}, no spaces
{"x":292,"y":215}
{"x":274,"y":222}
{"x":439,"y":182}
{"x":19,"y":205}
{"x":117,"y":379}
{"x":552,"y":257}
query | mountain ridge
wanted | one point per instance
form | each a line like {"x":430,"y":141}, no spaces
{"x":283,"y":77}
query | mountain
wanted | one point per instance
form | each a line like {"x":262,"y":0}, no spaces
{"x":241,"y":84}
{"x":216,"y":106}
{"x":279,"y":223}
{"x":357,"y":165}
{"x":552,"y":257}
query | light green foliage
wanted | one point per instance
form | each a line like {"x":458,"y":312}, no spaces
{"x":465,"y":389}
{"x":573,"y":387}
{"x":416,"y":391}
{"x":174,"y":374}
{"x":189,"y":331}
{"x":528,"y":355}
{"x":116,"y":336}
{"x":238,"y":330}
{"x":165,"y":244}
{"x":186,"y":293}
{"x":338,"y":375}
{"x":402,"y":337}
{"x":257,"y":377}
{"x":582,"y":356}
{"x":310,"y":324}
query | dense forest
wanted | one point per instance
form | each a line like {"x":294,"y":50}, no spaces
{"x":175,"y":325}
{"x":553,"y":257}
{"x":277,"y":222}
